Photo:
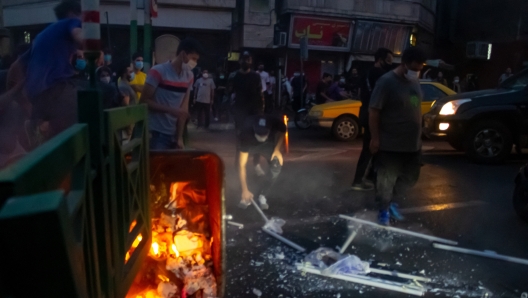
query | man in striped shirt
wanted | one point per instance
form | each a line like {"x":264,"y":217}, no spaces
{"x":166,"y":93}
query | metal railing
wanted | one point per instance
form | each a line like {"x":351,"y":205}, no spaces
{"x":71,"y":209}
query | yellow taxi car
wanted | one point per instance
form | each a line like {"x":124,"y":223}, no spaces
{"x":343,"y":116}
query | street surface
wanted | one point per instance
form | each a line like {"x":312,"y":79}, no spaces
{"x":454,"y":199}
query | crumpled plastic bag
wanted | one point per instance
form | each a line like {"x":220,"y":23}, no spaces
{"x":332,"y":262}
{"x":275,"y":225}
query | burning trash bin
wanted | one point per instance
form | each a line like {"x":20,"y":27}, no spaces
{"x":187,"y":249}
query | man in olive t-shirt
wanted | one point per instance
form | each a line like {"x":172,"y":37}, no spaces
{"x":395,"y":124}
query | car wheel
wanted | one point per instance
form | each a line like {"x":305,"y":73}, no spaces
{"x":302,"y":121}
{"x":488,"y":142}
{"x":520,"y":201}
{"x":345,"y":128}
{"x":457,"y":144}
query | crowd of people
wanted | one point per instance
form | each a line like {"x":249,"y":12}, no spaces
{"x":41,"y":101}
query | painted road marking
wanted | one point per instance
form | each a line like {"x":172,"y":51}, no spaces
{"x":441,"y":207}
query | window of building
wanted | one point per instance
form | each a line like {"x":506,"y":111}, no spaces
{"x":370,"y":36}
{"x":27,"y":37}
{"x":259,"y":5}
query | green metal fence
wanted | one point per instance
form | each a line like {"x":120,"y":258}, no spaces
{"x":70,"y":210}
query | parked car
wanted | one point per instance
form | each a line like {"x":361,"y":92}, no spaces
{"x":342,"y":117}
{"x":485,"y":124}
{"x":520,"y":194}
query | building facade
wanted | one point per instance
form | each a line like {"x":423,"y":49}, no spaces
{"x":501,"y":28}
{"x":340,"y":34}
{"x":209,"y":21}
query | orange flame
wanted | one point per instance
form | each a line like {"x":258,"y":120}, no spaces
{"x":132,"y":225}
{"x":155,"y":248}
{"x":286,"y":137}
{"x":135,"y":244}
{"x":175,"y":250}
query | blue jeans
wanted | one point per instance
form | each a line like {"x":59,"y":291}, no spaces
{"x":161,"y":141}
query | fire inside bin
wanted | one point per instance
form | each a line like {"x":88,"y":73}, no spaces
{"x":183,"y":260}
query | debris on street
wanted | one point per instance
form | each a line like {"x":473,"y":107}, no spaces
{"x":392,"y":229}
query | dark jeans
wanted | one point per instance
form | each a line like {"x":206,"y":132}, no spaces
{"x":364,"y":159}
{"x":272,"y":168}
{"x":203,"y":113}
{"x":397,"y":172}
{"x":161,"y":141}
{"x":56,"y":105}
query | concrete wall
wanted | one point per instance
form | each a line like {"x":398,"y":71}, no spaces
{"x":258,"y":27}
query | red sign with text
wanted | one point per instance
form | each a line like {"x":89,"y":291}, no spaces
{"x":321,"y":33}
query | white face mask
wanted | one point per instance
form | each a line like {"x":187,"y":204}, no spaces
{"x":456,"y":81}
{"x":205,"y":75}
{"x":105,"y":80}
{"x":261,"y":139}
{"x":412,"y":75}
{"x":191,"y":64}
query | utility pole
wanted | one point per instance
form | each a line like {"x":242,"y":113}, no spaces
{"x":133,"y":27}
{"x":147,"y":37}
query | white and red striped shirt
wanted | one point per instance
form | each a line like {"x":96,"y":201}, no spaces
{"x":171,"y":89}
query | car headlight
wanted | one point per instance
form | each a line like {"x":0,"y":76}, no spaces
{"x":451,"y":107}
{"x":316,"y":113}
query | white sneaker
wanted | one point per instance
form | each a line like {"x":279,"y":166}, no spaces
{"x":259,"y":171}
{"x":263,"y":202}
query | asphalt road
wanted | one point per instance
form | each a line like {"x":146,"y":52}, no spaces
{"x":454,"y":199}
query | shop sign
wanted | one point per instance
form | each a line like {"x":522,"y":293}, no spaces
{"x":322,"y":33}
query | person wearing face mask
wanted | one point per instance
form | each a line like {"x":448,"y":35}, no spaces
{"x":456,"y":85}
{"x":129,"y":96}
{"x":246,"y":86}
{"x":140,"y":77}
{"x":363,"y":179}
{"x":108,"y":90}
{"x":336,"y":92}
{"x":440,"y":78}
{"x":204,"y":89}
{"x":396,"y":129}
{"x":261,"y":137}
{"x":166,"y":92}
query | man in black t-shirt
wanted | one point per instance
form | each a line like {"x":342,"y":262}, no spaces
{"x":260,"y":137}
{"x":320,"y":95}
{"x":383,"y":64}
{"x":247,"y":87}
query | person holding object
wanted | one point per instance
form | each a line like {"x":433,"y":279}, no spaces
{"x":260,"y":137}
{"x":166,"y":92}
{"x":396,"y":128}
{"x":204,"y":98}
